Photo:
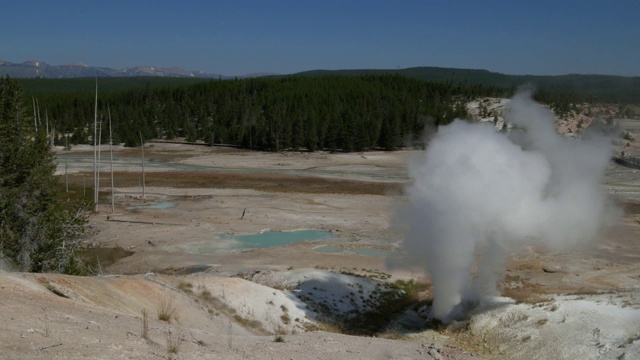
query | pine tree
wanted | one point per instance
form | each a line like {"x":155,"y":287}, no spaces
{"x":36,"y":232}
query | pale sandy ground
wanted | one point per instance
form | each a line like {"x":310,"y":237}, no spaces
{"x":102,"y":320}
{"x":101,"y":317}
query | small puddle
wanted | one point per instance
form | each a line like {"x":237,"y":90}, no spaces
{"x":162,"y":205}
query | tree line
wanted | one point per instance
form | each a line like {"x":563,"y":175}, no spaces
{"x":334,"y":113}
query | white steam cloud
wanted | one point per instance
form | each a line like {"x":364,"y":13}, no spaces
{"x":479,"y":195}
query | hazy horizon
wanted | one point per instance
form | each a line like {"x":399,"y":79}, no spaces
{"x":284,"y":37}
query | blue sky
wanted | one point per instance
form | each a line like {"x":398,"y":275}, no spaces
{"x":240,"y":37}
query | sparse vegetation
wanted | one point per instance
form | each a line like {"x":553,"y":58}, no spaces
{"x":206,"y":297}
{"x":380,"y":307}
{"x":365,"y":273}
{"x":186,"y":287}
{"x":392,"y":332}
{"x":165,"y":308}
{"x":248,"y":323}
{"x":173,"y":342}
{"x":523,"y":290}
{"x":279,"y":339}
{"x":411,"y":288}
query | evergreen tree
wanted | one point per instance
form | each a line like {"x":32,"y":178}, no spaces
{"x":36,"y":232}
{"x":337,"y":113}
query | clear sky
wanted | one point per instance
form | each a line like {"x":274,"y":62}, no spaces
{"x":237,"y":37}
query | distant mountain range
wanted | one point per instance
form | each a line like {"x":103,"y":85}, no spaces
{"x":40,"y":69}
{"x":602,"y":87}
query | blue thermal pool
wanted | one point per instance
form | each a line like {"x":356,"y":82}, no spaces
{"x":265,"y":239}
{"x":162,"y":205}
{"x":269,"y":239}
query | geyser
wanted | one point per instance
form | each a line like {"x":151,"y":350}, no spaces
{"x":479,"y":195}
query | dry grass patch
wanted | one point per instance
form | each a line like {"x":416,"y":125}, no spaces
{"x":286,"y":319}
{"x":585,"y":291}
{"x":186,"y":287}
{"x":165,"y":308}
{"x":248,"y":323}
{"x":523,"y":290}
{"x":525,"y":265}
{"x":173,"y":342}
{"x":258,"y":180}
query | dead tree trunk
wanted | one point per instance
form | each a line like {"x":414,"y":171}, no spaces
{"x":95,"y":153}
{"x":142,"y":149}
{"x":113,"y":202}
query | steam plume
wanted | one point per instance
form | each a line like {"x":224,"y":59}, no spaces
{"x":479,"y":195}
